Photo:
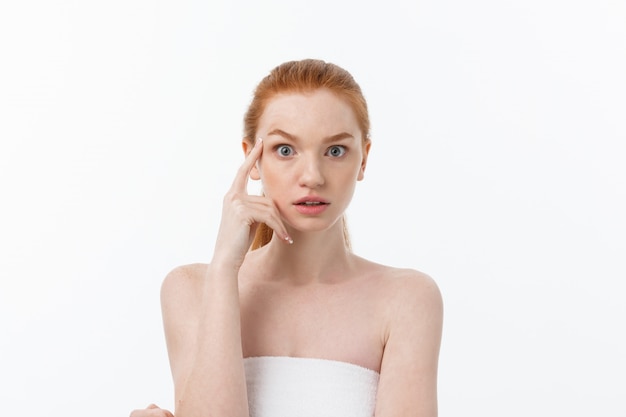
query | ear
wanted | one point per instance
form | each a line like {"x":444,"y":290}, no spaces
{"x":366,"y":151}
{"x":247,"y":147}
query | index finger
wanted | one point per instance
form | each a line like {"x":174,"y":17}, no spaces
{"x":241,"y":179}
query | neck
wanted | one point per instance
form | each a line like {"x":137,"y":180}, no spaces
{"x":314,"y":257}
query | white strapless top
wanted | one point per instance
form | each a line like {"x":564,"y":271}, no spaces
{"x":280,"y":386}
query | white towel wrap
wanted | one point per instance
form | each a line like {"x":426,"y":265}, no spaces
{"x":280,"y":386}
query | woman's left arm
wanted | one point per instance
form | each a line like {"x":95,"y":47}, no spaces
{"x":408,"y":376}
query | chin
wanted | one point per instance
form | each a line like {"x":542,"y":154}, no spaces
{"x":311,"y":225}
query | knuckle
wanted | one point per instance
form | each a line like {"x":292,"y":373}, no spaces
{"x":232,"y":197}
{"x":239,"y":209}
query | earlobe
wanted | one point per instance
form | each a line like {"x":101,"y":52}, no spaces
{"x":366,"y":151}
{"x":254,"y":172}
{"x":361,"y":173}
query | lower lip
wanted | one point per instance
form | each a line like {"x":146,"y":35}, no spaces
{"x":311,"y":210}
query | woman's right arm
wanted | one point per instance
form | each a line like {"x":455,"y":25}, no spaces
{"x":201,"y":312}
{"x":202,"y":330}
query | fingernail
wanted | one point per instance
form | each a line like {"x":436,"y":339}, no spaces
{"x":259,"y":140}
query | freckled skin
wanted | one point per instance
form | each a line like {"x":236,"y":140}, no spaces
{"x":311,"y":298}
{"x":310,"y":120}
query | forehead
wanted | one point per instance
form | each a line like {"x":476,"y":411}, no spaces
{"x":320,"y":109}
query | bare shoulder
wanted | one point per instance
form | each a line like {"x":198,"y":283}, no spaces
{"x":406,"y":288}
{"x":412,"y":304}
{"x":182,"y":280}
{"x":415,"y":287}
{"x":413,"y":324}
{"x":180,"y":306}
{"x":180,"y":292}
{"x":417,"y":302}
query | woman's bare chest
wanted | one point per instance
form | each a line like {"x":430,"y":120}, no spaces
{"x":337,"y":323}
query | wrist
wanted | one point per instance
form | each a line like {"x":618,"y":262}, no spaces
{"x":223,"y":268}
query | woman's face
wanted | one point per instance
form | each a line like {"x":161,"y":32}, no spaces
{"x":313,"y":155}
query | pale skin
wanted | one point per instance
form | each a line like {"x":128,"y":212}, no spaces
{"x":304,"y":294}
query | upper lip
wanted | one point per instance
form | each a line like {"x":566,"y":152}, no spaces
{"x":311,"y":199}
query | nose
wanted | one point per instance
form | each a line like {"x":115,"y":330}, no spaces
{"x":311,"y":173}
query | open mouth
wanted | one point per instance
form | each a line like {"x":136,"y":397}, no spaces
{"x":311,"y":203}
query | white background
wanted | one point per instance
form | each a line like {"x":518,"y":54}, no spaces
{"x":497,"y":167}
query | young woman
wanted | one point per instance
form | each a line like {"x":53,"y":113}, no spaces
{"x":286,"y":320}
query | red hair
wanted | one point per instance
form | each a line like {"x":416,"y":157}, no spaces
{"x":304,"y":76}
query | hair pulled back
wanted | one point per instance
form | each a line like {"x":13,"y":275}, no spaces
{"x":303,"y":76}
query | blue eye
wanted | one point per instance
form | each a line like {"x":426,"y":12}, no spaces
{"x":284,"y":150}
{"x":336,"y":151}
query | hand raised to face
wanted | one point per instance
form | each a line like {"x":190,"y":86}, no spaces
{"x":242,"y":213}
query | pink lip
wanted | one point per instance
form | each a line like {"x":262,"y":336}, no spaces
{"x":313,"y":209}
{"x":311,"y":199}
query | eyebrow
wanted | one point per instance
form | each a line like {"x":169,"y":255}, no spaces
{"x":333,"y":138}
